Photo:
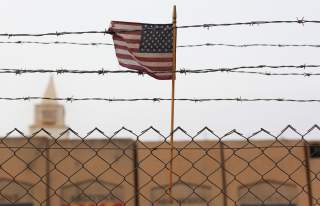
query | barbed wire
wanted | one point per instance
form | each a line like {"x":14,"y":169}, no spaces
{"x":248,"y":45}
{"x":301,"y":21}
{"x":59,"y":43}
{"x":233,"y":69}
{"x":305,"y":74}
{"x":179,"y":46}
{"x":236,"y":69}
{"x":159,"y":99}
{"x":9,"y":35}
{"x":128,"y":178}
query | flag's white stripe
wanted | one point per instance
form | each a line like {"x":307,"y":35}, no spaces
{"x":144,"y":63}
{"x":130,"y":36}
{"x":123,"y":51}
{"x":128,"y":61}
{"x":124,"y":26}
{"x":123,"y":43}
{"x":150,"y":55}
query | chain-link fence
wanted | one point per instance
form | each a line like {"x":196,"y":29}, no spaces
{"x":133,"y":169}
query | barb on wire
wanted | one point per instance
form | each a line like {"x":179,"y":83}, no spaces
{"x":301,"y":21}
{"x":159,"y":99}
{"x":237,"y":69}
{"x":179,"y":46}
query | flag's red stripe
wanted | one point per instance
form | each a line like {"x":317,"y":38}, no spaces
{"x":127,"y":31}
{"x":126,"y":23}
{"x":145,"y":59}
{"x":135,"y":41}
{"x":140,"y":68}
{"x":126,"y":48}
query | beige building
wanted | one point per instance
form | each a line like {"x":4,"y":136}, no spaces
{"x":231,"y":173}
{"x":58,"y":170}
{"x":50,"y":168}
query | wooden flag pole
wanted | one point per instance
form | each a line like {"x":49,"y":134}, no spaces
{"x":174,"y":46}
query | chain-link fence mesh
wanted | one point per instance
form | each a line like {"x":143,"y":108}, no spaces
{"x":133,"y":169}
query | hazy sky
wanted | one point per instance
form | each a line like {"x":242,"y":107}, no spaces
{"x":36,"y":16}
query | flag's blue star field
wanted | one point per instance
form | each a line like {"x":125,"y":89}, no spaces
{"x":156,"y":38}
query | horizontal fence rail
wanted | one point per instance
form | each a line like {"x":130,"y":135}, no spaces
{"x":125,"y":168}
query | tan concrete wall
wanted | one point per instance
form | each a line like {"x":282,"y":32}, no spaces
{"x":265,"y":173}
{"x":255,"y":172}
{"x":315,"y":178}
{"x":77,"y":172}
{"x":197,"y":173}
{"x":73,"y":172}
{"x":22,"y":171}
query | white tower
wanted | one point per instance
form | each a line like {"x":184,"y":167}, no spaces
{"x":49,"y":114}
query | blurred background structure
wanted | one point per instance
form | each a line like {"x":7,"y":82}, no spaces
{"x":49,"y":168}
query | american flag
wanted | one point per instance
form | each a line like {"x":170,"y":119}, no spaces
{"x":144,"y":47}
